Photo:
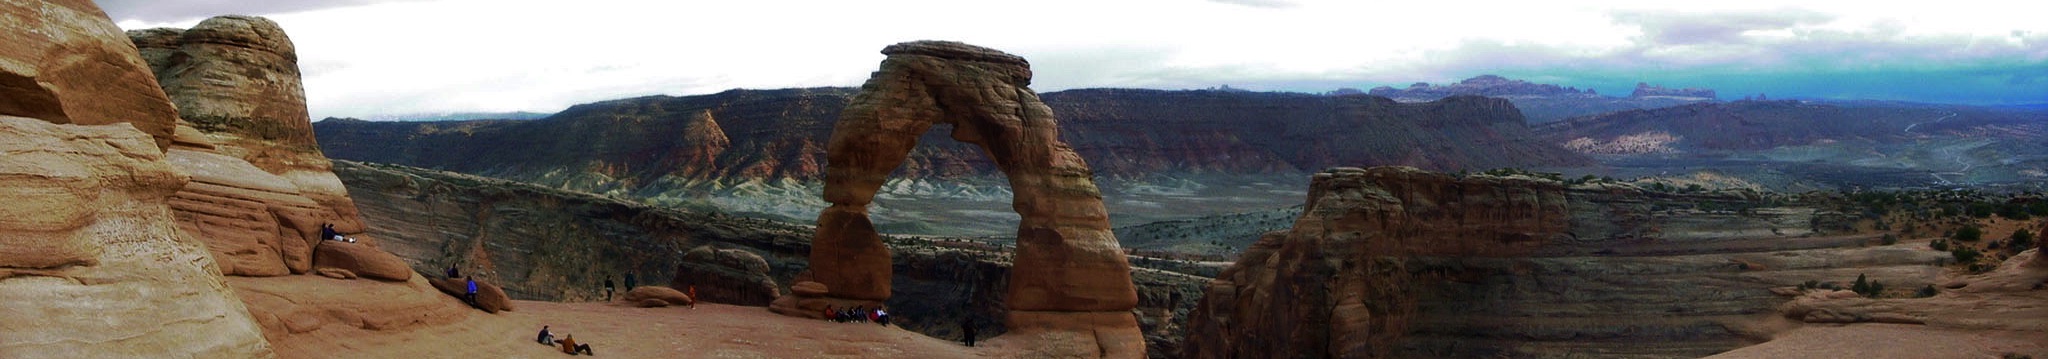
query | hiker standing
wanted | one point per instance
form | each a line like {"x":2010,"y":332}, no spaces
{"x":631,"y":283}
{"x":608,"y":288}
{"x":471,"y":295}
{"x":967,"y":327}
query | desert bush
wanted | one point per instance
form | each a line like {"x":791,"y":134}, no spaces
{"x":1891,"y":239}
{"x":1927,"y":291}
{"x":1969,"y":233}
{"x":1965,"y":254}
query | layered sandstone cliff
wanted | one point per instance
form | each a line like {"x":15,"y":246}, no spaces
{"x":1390,"y":262}
{"x":91,"y":264}
{"x":261,"y":189}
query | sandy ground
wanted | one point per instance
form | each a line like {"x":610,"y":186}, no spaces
{"x":1893,"y":341}
{"x":709,"y":331}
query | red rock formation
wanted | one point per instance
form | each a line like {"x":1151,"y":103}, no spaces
{"x":489,"y":297}
{"x":1333,"y":286}
{"x":67,"y":64}
{"x":730,"y":276}
{"x":1067,"y":264}
{"x":664,"y":295}
{"x":261,"y":188}
{"x":362,"y":259}
{"x":90,"y":262}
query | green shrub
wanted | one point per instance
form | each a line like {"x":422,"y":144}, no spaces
{"x":1927,"y":291}
{"x":2022,"y":239}
{"x":1969,"y":233}
{"x":1965,"y":254}
{"x":1939,"y":245}
{"x":1891,"y":239}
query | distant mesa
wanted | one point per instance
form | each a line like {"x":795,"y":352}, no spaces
{"x":1543,"y":103}
{"x":1483,"y":85}
{"x":1647,"y":90}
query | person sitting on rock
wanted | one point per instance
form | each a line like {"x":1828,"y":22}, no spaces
{"x":471,"y":295}
{"x":829,"y":315}
{"x":452,"y":272}
{"x":881,"y":317}
{"x":545,"y":337}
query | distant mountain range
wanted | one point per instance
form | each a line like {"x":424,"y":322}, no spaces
{"x":1547,"y":102}
{"x":1169,"y":152}
{"x":458,"y":116}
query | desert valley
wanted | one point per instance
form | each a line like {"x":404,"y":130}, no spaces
{"x":169,"y":192}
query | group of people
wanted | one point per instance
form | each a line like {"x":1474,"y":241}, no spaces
{"x":859,"y":314}
{"x":567,"y":343}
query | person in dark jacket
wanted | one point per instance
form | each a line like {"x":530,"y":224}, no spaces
{"x":608,"y":288}
{"x":967,"y":327}
{"x":545,"y":337}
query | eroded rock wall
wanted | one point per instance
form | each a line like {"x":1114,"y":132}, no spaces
{"x":90,"y":262}
{"x":1388,"y":262}
{"x":261,"y":187}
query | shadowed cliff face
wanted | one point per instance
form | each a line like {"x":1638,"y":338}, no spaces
{"x":1390,"y":262}
{"x":549,"y":244}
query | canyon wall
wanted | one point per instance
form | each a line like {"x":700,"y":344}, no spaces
{"x":1395,"y":262}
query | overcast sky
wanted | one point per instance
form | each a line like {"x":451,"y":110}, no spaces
{"x":365,"y":58}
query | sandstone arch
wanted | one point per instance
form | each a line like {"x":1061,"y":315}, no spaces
{"x":1067,"y":260}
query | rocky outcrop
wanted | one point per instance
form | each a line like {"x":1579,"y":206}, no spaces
{"x":1388,"y":262}
{"x":489,"y":297}
{"x":729,"y":276}
{"x":90,"y":263}
{"x":1071,"y":284}
{"x":1646,"y":90}
{"x":261,"y":188}
{"x":66,"y":63}
{"x":1334,"y":285}
{"x":362,"y":259}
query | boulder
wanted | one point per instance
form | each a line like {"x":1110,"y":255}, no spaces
{"x":66,"y":63}
{"x":91,"y":264}
{"x":730,"y":276}
{"x":665,"y":294}
{"x":808,"y":289}
{"x":489,"y":297}
{"x":362,"y":259}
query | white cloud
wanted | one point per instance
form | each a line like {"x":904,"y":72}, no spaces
{"x":363,"y":57}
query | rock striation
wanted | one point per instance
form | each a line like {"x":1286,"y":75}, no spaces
{"x":65,"y":63}
{"x":1070,"y":285}
{"x":1395,"y":262}
{"x":729,"y":276}
{"x":261,"y":187}
{"x":1333,"y":286}
{"x":91,"y":264}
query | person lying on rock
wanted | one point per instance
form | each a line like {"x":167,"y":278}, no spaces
{"x":327,"y":232}
{"x":545,"y":337}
